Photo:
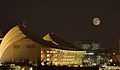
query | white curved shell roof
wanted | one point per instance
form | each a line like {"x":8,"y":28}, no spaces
{"x":12,"y":36}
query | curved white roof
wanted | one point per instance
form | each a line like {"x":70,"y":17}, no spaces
{"x":17,"y":33}
{"x":12,"y":36}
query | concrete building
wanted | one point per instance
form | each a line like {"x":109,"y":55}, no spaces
{"x":19,"y":44}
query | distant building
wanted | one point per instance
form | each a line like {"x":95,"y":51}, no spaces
{"x":94,"y":53}
{"x":19,"y":45}
{"x":87,"y":44}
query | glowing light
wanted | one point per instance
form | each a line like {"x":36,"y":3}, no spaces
{"x":48,"y":59}
{"x":89,"y":53}
{"x":42,"y":64}
{"x":113,"y":53}
{"x":65,"y":57}
{"x":111,"y":60}
{"x":41,"y":56}
{"x":81,"y":65}
{"x":48,"y":51}
{"x":48,"y":55}
{"x":41,"y":51}
{"x":56,"y":63}
{"x":31,"y":68}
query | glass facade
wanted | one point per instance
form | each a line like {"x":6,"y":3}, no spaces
{"x":62,"y":57}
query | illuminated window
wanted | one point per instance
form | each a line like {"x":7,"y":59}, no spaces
{"x":56,"y":63}
{"x":48,"y":59}
{"x":55,"y":59}
{"x":41,"y":56}
{"x":42,"y":63}
{"x":53,"y":51}
{"x":55,"y":55}
{"x":41,"y":51}
{"x":48,"y":55}
{"x":48,"y":51}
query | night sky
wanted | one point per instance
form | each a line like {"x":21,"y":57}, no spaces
{"x":69,"y":19}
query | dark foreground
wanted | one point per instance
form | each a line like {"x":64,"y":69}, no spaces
{"x":52,"y":68}
{"x":69,"y":68}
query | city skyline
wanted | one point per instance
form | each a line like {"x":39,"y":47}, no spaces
{"x":71,"y":20}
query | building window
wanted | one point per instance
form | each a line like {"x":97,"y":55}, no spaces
{"x":48,"y":51}
{"x":48,"y":59}
{"x":16,"y":46}
{"x":48,"y":55}
{"x":30,"y":46}
{"x":41,"y":51}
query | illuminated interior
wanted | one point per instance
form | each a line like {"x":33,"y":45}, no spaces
{"x":62,"y":57}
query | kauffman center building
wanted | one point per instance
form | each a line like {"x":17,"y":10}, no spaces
{"x":20,"y":44}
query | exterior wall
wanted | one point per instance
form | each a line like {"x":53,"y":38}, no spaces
{"x":21,"y":50}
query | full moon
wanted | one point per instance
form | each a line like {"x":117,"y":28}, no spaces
{"x":96,"y":21}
